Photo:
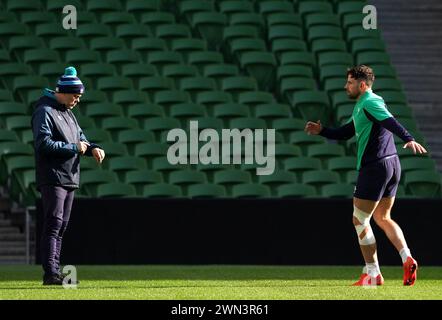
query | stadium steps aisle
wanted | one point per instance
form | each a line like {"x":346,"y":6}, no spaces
{"x":411,"y":30}
{"x":12,"y":241}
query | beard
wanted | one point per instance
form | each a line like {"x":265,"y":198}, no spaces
{"x":352,"y":95}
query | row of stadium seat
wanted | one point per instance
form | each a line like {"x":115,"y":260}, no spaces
{"x":150,"y":66}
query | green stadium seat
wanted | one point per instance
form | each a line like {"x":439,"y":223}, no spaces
{"x":342,"y":165}
{"x":6,"y":95}
{"x":349,"y":7}
{"x":161,"y":58}
{"x":98,"y":111}
{"x":249,"y":190}
{"x":115,"y":190}
{"x":114,"y":149}
{"x":363,"y":45}
{"x":330,"y":71}
{"x":238,"y":32}
{"x":286,"y":126}
{"x":423,"y":183}
{"x":262,"y":66}
{"x":93,"y":96}
{"x":140,"y":178}
{"x":297,"y":58}
{"x":303,"y":140}
{"x":232,"y":7}
{"x":267,"y":8}
{"x":334,"y":85}
{"x":311,"y":105}
{"x":272,"y":111}
{"x":230,"y":177}
{"x":35,"y":57}
{"x":284,"y":151}
{"x":351,"y":176}
{"x":387,"y":85}
{"x":277,"y":179}
{"x":308,"y":7}
{"x":292,"y":71}
{"x":352,"y":19}
{"x":321,"y":19}
{"x":162,"y":190}
{"x":391,"y":97}
{"x":169,"y":97}
{"x":33,"y":18}
{"x":291,"y":85}
{"x":8,"y":109}
{"x":150,"y":150}
{"x":238,"y":84}
{"x":284,"y":18}
{"x":247,"y":123}
{"x":170,"y":32}
{"x":188,"y":45}
{"x":195,"y":85}
{"x":128,"y":32}
{"x":284,"y":45}
{"x":146,"y":46}
{"x":370,"y":58}
{"x":411,"y":164}
{"x":117,"y":124}
{"x":296,"y":190}
{"x":105,"y":44}
{"x":243,"y":45}
{"x":91,"y":179}
{"x":210,"y":27}
{"x":139,"y":7}
{"x":163,"y":165}
{"x":22,"y":85}
{"x":121,"y":164}
{"x":115,"y":19}
{"x":188,"y":8}
{"x":131,"y":137}
{"x":284,"y":32}
{"x":99,"y":7}
{"x":50,"y":30}
{"x":205,"y":190}
{"x":92,"y":30}
{"x":97,"y":135}
{"x":185,"y":178}
{"x":113,"y":83}
{"x":253,"y":20}
{"x":359,"y":33}
{"x":220,"y":71}
{"x":337,"y":190}
{"x":8,"y":136}
{"x":186,"y":112}
{"x":228,"y":111}
{"x":319,"y":178}
{"x":201,"y":59}
{"x":6,"y":17}
{"x":325,"y":151}
{"x":143,"y":111}
{"x":211,"y":98}
{"x":22,"y":6}
{"x":384,"y":71}
{"x":299,"y":165}
{"x":152,"y":85}
{"x":11,"y":29}
{"x":82,"y":56}
{"x":334,"y":58}
{"x":318,"y":33}
{"x":328,"y":45}
{"x":155,"y":19}
{"x":20,"y":43}
{"x":158,"y":125}
{"x":129,"y":97}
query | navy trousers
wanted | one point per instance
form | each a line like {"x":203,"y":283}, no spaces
{"x":57,"y":205}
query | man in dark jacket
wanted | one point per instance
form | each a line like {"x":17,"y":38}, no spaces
{"x":59,"y":142}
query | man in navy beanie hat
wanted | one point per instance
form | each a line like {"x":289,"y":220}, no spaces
{"x":58,"y":142}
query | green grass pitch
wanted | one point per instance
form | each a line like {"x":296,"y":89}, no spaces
{"x":216,"y":282}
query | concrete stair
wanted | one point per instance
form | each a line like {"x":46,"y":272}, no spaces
{"x":12,"y":240}
{"x":412,"y":32}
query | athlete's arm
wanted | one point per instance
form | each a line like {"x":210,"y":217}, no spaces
{"x":392,"y":125}
{"x":342,"y":133}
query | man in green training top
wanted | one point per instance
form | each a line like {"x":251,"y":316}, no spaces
{"x":379,"y":171}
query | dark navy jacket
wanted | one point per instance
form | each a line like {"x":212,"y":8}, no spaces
{"x":56,"y":134}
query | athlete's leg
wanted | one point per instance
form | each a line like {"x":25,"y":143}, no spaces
{"x":361,"y":221}
{"x":382,"y":217}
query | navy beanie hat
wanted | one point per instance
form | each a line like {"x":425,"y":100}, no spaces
{"x":69,"y":82}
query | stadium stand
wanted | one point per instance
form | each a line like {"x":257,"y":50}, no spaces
{"x":151,"y":66}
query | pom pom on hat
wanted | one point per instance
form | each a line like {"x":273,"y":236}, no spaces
{"x":69,"y":82}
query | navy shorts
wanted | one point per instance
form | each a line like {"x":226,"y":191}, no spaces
{"x":378,"y":179}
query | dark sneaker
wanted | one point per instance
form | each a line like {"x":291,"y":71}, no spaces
{"x":52,"y":280}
